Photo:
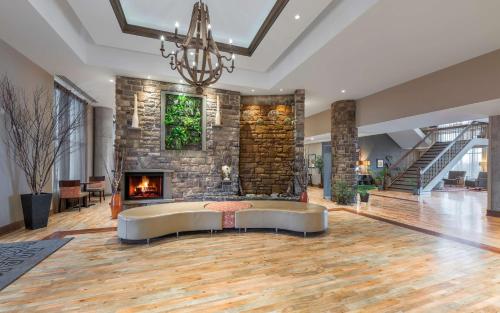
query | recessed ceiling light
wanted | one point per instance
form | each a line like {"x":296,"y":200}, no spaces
{"x":312,"y":138}
{"x":281,"y":89}
{"x":297,"y":16}
{"x":342,"y":91}
{"x":253,"y":90}
{"x":149,"y":76}
{"x":111,"y":81}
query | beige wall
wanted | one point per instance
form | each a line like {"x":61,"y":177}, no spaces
{"x":23,"y":73}
{"x":472,"y":81}
{"x":318,"y":124}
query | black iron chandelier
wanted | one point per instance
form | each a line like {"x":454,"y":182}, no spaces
{"x":197,"y":58}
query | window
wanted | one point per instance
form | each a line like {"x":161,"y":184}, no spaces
{"x":73,"y":162}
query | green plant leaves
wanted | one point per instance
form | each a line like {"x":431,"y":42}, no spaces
{"x":182,"y":120}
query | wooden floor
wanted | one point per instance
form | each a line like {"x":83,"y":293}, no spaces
{"x":359,"y":265}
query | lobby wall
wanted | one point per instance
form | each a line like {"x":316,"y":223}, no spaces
{"x":196,"y":172}
{"x":27,"y":75}
{"x":266,"y":143}
{"x":378,"y":147}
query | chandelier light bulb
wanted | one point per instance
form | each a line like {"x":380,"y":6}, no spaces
{"x":162,"y":38}
{"x":233,"y":56}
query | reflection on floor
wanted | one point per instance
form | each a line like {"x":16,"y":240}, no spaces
{"x":459,"y":213}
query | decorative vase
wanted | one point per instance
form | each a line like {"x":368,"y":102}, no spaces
{"x":36,"y":209}
{"x":135,"y":116}
{"x":304,"y":197}
{"x":116,"y":205}
{"x":218,"y":119}
{"x":226,"y":172}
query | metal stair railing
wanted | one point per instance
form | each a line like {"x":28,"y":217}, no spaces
{"x":473,"y":130}
{"x":397,"y":169}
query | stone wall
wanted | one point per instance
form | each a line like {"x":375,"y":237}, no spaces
{"x":271,"y":139}
{"x":344,"y":142}
{"x":196,"y":173}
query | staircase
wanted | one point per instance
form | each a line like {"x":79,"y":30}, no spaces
{"x":423,"y":167}
{"x":407,"y":181}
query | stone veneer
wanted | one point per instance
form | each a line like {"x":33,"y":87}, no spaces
{"x":344,"y":142}
{"x":196,"y":173}
{"x":270,"y":144}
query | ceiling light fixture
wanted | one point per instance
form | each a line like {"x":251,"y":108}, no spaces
{"x":297,"y":16}
{"x":111,"y":81}
{"x":342,"y":91}
{"x":281,"y":89}
{"x":253,"y":90}
{"x":196,"y":56}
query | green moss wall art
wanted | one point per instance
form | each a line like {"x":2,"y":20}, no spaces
{"x":183,"y":122}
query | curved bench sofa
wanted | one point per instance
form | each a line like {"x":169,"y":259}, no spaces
{"x":148,"y":222}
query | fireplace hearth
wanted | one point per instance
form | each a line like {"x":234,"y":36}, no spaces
{"x":144,"y":186}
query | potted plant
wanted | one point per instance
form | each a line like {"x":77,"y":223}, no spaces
{"x":319,"y":165}
{"x":36,"y":135}
{"x":364,"y":196}
{"x":343,"y":193}
{"x":115,"y":177}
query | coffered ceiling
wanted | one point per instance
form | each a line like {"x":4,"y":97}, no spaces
{"x":356,"y":46}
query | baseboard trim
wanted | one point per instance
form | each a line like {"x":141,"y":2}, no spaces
{"x":493,"y":213}
{"x":11,"y":227}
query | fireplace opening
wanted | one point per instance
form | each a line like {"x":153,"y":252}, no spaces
{"x":140,"y":186}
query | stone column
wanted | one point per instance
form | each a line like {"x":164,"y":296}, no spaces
{"x":299,"y":99}
{"x":344,"y":143}
{"x":494,"y":167}
{"x":103,"y":142}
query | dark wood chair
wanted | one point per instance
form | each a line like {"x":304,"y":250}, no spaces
{"x":96,"y":185}
{"x":70,"y":189}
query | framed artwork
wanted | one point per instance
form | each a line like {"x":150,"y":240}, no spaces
{"x":311,"y":160}
{"x":380,"y":163}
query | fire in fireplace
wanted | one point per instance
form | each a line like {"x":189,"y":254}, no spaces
{"x":140,"y":186}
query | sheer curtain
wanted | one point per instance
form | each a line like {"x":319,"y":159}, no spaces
{"x":73,"y":163}
{"x":470,"y":163}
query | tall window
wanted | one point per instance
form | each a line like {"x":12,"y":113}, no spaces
{"x":72,"y":164}
{"x":470,"y":163}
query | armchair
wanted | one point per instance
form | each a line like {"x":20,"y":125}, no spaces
{"x":480,"y":182}
{"x":455,"y":178}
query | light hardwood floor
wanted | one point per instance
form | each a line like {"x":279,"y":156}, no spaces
{"x":359,"y":265}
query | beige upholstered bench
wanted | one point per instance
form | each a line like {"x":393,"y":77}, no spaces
{"x":148,"y":222}
{"x":293,"y":216}
{"x":163,"y":219}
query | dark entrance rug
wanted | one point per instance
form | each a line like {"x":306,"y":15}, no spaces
{"x":19,"y":257}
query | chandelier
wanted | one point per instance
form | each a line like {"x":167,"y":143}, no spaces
{"x":197,"y":58}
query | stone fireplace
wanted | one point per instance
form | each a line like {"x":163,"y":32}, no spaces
{"x":146,"y":186}
{"x":142,"y":186}
{"x":196,"y":174}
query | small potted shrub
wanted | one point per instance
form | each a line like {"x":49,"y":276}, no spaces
{"x":343,"y":193}
{"x":364,"y":196}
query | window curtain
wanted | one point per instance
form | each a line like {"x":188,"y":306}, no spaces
{"x":470,"y":163}
{"x":72,"y":164}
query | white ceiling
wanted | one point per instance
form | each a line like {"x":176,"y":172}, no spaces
{"x":239,"y":20}
{"x":362,"y":46}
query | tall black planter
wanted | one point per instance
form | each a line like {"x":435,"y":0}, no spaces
{"x":36,"y":210}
